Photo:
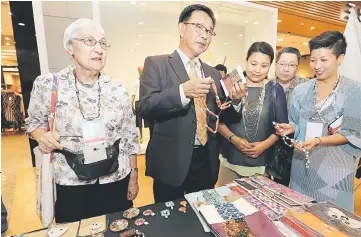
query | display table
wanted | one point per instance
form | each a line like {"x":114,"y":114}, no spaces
{"x":254,"y":206}
{"x":178,"y":224}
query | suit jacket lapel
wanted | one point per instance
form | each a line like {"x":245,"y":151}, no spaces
{"x":177,"y":65}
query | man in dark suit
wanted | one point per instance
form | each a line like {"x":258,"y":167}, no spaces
{"x":181,"y":157}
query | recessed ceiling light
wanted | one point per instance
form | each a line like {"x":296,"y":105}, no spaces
{"x":140,"y":35}
{"x":280,"y":39}
{"x":7,"y":43}
{"x":279,"y":21}
{"x":305,"y":43}
{"x":239,"y":57}
{"x":140,"y":23}
{"x":312,"y":28}
{"x":225,"y":43}
{"x":302,"y":24}
{"x":133,"y":2}
{"x":7,"y":38}
{"x":256,"y":22}
{"x":246,"y":22}
{"x":131,"y":50}
{"x":21,"y":24}
{"x":240,"y":35}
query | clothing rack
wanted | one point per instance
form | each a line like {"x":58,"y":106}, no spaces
{"x":12,"y":111}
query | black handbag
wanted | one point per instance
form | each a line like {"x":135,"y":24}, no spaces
{"x":279,"y":166}
{"x":96,"y":169}
{"x":358,"y":171}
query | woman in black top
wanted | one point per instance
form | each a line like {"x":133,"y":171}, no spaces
{"x":249,"y":134}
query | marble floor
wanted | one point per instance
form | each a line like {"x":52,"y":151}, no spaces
{"x":18,"y":187}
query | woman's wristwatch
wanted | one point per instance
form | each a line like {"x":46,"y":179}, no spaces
{"x":134,"y":170}
{"x":230,"y":138}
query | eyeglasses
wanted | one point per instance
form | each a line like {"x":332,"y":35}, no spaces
{"x":201,"y":28}
{"x":291,"y":65}
{"x":92,"y":42}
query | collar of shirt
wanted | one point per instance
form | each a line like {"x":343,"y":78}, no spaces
{"x":185,"y":59}
{"x":294,"y":83}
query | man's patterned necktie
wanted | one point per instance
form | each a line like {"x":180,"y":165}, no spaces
{"x":200,"y":108}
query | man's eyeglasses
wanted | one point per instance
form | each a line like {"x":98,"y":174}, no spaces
{"x":284,"y":65}
{"x":201,"y":28}
{"x":92,"y":42}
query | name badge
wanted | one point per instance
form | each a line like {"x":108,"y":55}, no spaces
{"x":94,"y":141}
{"x":313,"y":130}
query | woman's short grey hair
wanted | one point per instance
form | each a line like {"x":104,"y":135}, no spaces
{"x":71,"y":31}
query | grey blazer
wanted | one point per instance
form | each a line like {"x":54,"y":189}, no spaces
{"x":169,"y":153}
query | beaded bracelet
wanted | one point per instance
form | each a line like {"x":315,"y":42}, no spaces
{"x":290,"y":142}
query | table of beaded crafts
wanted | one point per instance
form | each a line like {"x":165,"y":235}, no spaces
{"x":177,"y":224}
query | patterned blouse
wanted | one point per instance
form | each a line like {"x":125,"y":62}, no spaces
{"x":115,"y":111}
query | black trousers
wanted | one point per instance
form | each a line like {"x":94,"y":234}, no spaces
{"x":84,"y":201}
{"x":198,"y":178}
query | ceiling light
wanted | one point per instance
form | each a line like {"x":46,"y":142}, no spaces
{"x":280,"y":39}
{"x":239,"y":57}
{"x":312,"y":28}
{"x":10,"y":13}
{"x":302,"y":24}
{"x":305,"y":43}
{"x":21,"y":24}
{"x":7,"y":43}
{"x":225,"y":43}
{"x":279,"y":21}
{"x":140,"y":23}
{"x":140,"y":35}
{"x":133,"y":2}
{"x":240,"y":35}
{"x":246,"y":22}
{"x":256,"y":22}
{"x":131,"y":50}
{"x":7,"y":38}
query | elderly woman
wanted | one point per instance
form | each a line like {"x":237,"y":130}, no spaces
{"x":90,"y":107}
{"x":325,"y":115}
{"x":249,"y":135}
